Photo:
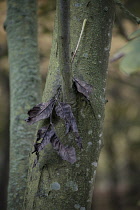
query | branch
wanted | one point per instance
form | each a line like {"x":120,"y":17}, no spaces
{"x":83,"y":26}
{"x":121,"y":27}
{"x":63,"y":47}
{"x":127,"y":12}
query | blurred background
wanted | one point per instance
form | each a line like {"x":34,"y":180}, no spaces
{"x":118,"y":175}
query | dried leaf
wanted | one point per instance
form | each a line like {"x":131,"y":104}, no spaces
{"x":40,"y":111}
{"x":66,"y":153}
{"x":46,"y":134}
{"x":83,"y":87}
{"x":63,"y":110}
{"x":36,"y":147}
{"x":41,"y":132}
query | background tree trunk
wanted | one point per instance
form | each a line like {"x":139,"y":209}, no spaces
{"x":54,"y":183}
{"x":21,"y":27}
{"x":4,"y":139}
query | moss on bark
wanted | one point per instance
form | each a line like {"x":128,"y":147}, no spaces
{"x":55,"y":184}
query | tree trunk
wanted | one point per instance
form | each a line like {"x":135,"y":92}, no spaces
{"x":21,"y":27}
{"x":54,"y":183}
{"x":4,"y":139}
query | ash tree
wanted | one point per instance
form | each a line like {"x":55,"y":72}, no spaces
{"x":61,"y":149}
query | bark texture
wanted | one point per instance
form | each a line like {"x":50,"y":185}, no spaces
{"x":55,"y":184}
{"x":21,"y":27}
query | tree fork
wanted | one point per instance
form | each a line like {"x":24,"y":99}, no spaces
{"x":54,"y":183}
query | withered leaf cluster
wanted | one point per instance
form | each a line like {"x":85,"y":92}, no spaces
{"x":47,"y":135}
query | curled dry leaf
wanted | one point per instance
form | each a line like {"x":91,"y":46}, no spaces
{"x":41,"y":132}
{"x":48,"y":135}
{"x":83,"y":87}
{"x":66,"y":153}
{"x":64,"y":111}
{"x":40,"y":111}
{"x":45,"y":133}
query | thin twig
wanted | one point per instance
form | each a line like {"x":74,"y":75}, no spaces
{"x":83,"y":26}
{"x":127,"y":12}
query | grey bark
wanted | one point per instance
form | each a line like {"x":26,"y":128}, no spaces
{"x":21,"y":27}
{"x":55,"y":184}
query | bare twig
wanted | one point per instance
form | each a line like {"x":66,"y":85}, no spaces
{"x":116,"y":57}
{"x":83,"y":26}
{"x":121,"y":27}
{"x":127,"y":12}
